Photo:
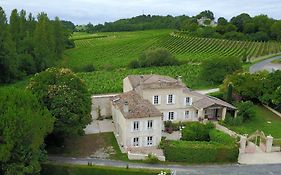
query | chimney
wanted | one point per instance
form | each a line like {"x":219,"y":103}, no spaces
{"x":179,"y":79}
{"x":126,"y":107}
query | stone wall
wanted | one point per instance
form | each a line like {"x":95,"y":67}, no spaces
{"x":138,"y":156}
{"x":101,"y":103}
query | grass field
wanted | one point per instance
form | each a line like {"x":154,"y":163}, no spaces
{"x":265,"y":121}
{"x":67,"y":169}
{"x":117,"y":49}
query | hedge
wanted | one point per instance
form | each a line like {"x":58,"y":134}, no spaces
{"x":197,"y":131}
{"x":67,"y":169}
{"x":220,"y":137}
{"x":199,"y":152}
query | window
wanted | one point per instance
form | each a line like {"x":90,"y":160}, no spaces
{"x":149,"y":124}
{"x":188,"y":101}
{"x":170,"y":99}
{"x":156,"y":100}
{"x":171,"y":116}
{"x":149,"y":141}
{"x":136,"y":141}
{"x":136,"y":126}
{"x":186,"y":114}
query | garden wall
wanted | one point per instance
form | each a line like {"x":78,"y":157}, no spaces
{"x":102,"y":103}
{"x":135,"y":156}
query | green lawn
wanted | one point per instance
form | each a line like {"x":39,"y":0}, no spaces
{"x":66,"y":169}
{"x":265,"y":121}
{"x":87,"y":145}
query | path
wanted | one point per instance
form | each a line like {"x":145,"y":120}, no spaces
{"x":266,"y":65}
{"x":234,"y":169}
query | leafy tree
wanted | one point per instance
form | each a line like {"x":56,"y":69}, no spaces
{"x":229,"y":93}
{"x":154,"y":57}
{"x":271,"y":92}
{"x":276,"y":30}
{"x":246,"y":110}
{"x":222,"y":21}
{"x":44,"y":43}
{"x":66,"y":97}
{"x":240,"y":21}
{"x":215,"y":70}
{"x":60,"y":37}
{"x":23,"y":125}
{"x":207,"y":13}
{"x":8,"y":62}
{"x":246,"y":85}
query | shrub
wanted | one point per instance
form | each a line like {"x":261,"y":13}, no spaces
{"x":230,"y":120}
{"x":152,"y":159}
{"x":154,"y":57}
{"x":246,"y":110}
{"x":199,"y":152}
{"x":197,"y":132}
{"x":220,"y":137}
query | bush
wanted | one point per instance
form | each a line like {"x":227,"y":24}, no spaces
{"x":152,"y":159}
{"x":199,"y":152}
{"x":154,"y":57}
{"x":230,"y":120}
{"x":197,"y":132}
{"x":220,"y":137}
{"x":246,"y":110}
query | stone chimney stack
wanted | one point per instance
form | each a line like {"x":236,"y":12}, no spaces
{"x":126,"y":107}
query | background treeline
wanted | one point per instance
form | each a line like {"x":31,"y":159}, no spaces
{"x":28,"y":44}
{"x":241,"y":27}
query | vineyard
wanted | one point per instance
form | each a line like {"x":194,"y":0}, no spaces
{"x":109,"y":81}
{"x":117,"y":49}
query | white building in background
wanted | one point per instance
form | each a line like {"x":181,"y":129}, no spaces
{"x":149,"y":100}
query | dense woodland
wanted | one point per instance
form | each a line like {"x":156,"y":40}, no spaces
{"x":241,"y":27}
{"x":28,"y":44}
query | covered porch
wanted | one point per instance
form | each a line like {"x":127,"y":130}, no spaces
{"x":215,"y":112}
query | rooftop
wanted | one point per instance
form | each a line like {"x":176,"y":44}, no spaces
{"x":137,"y":106}
{"x":154,"y":81}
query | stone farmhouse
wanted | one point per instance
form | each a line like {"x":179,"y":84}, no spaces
{"x":148,"y":100}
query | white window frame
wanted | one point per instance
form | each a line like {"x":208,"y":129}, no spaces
{"x":149,"y":141}
{"x":170,"y":99}
{"x":186,"y":114}
{"x":150,"y":124}
{"x":136,"y":141}
{"x":158,"y":99}
{"x":172,"y":116}
{"x":136,"y":126}
{"x":188,"y":102}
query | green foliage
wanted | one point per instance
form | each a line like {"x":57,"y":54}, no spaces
{"x":154,"y":57}
{"x":246,"y":110}
{"x":152,"y":159}
{"x":59,"y":169}
{"x":231,"y":121}
{"x":28,"y":45}
{"x":271,"y":91}
{"x":215,"y":70}
{"x":23,"y":125}
{"x":197,"y":132}
{"x":220,"y":137}
{"x":66,"y":97}
{"x":229,"y":93}
{"x":199,"y":152}
{"x":246,"y":85}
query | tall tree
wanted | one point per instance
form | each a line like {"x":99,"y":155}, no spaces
{"x":44,"y":43}
{"x":8,"y":62}
{"x":23,"y":125}
{"x":60,"y":37}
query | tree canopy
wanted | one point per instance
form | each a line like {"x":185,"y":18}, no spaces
{"x":29,"y":45}
{"x":23,"y":125}
{"x":66,"y":97}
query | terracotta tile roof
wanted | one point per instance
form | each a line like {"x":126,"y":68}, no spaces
{"x":138,"y":107}
{"x":154,"y":82}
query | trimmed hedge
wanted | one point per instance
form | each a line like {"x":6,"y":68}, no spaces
{"x":220,"y":137}
{"x":66,"y":169}
{"x":199,"y":152}
{"x":197,"y":131}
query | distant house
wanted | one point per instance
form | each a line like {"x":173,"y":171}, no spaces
{"x":204,"y":21}
{"x":149,"y":100}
